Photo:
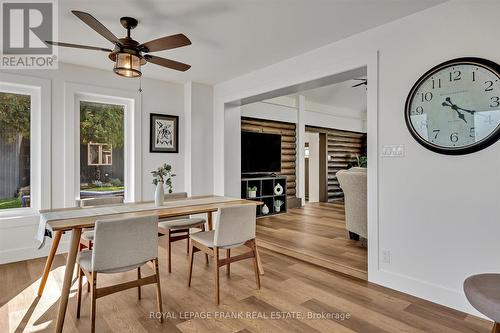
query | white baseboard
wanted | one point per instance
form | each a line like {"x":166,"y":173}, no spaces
{"x":451,"y":298}
{"x":26,"y":253}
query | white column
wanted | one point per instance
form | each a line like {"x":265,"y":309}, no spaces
{"x":188,"y":91}
{"x":301,"y":130}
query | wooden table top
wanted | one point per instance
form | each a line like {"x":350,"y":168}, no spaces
{"x":162,"y":212}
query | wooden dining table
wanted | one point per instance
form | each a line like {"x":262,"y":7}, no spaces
{"x":185,"y":206}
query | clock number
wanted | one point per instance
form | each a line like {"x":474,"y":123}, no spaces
{"x":495,"y":102}
{"x":436,"y":133}
{"x":419,"y":110}
{"x":472,"y":132}
{"x":454,"y":137}
{"x":455,"y":75}
{"x":489,"y":85}
{"x":434,"y":83}
{"x":426,"y":97}
{"x":473,"y":76}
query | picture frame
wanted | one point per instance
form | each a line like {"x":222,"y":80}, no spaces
{"x":164,"y":133}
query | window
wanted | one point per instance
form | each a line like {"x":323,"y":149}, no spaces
{"x":101,"y":149}
{"x":15,"y":114}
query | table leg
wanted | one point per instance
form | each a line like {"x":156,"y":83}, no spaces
{"x":209,"y":220}
{"x":68,"y":277}
{"x":259,"y":263}
{"x":48,"y":263}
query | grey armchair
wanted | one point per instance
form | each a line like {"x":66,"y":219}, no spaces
{"x":353,"y":183}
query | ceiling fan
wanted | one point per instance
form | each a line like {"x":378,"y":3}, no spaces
{"x":363,"y":82}
{"x":128,"y":54}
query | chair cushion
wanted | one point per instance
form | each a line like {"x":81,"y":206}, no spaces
{"x":182,"y":223}
{"x":483,"y":293}
{"x":207,"y":238}
{"x":88,"y":235}
{"x":84,"y":259}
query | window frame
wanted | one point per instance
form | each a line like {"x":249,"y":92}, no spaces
{"x":132,"y":151}
{"x":40,"y":147}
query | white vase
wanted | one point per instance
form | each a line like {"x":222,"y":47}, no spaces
{"x":278,"y":189}
{"x":159,"y":194}
{"x":265,"y":209}
{"x":277,"y":209}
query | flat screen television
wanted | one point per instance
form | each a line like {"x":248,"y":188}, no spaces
{"x":260,"y":152}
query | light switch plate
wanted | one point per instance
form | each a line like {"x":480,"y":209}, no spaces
{"x":393,"y":151}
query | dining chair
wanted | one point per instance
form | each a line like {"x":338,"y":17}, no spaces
{"x":88,"y":233}
{"x":235,"y":226}
{"x":178,"y":228}
{"x":120,"y":245}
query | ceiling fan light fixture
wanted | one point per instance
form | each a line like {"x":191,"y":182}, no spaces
{"x":127,"y":65}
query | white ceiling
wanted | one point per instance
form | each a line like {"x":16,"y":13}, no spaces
{"x":230,"y":38}
{"x":340,"y":95}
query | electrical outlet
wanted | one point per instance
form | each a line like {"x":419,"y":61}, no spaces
{"x":386,"y":256}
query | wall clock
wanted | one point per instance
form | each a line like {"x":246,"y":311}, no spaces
{"x":454,"y":108}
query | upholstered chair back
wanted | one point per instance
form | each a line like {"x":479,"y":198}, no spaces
{"x":175,"y":195}
{"x":124,"y":242}
{"x":353,"y":183}
{"x":101,"y":201}
{"x":235,"y":225}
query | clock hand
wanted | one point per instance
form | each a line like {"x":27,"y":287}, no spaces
{"x":454,"y":107}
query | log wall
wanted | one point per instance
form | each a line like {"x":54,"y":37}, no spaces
{"x":342,"y":148}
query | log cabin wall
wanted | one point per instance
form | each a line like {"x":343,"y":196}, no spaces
{"x":288,"y":145}
{"x":341,"y":150}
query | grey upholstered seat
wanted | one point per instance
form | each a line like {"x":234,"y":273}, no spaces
{"x":85,"y":261}
{"x":182,"y":223}
{"x":88,"y":235}
{"x":483,"y":293}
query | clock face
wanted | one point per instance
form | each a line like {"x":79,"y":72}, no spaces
{"x":455,"y":107}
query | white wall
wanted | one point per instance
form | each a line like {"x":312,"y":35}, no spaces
{"x":16,"y":233}
{"x":198,"y":132}
{"x":438,"y":215}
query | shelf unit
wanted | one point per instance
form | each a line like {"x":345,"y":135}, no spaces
{"x":265,"y":192}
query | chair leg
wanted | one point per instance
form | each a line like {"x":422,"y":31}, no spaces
{"x":158,"y":291}
{"x":169,"y":250}
{"x":187,"y":243}
{"x":93,"y":301}
{"x":79,"y":293}
{"x":138,"y":278}
{"x":228,"y":265}
{"x":191,"y":257}
{"x":216,"y":275}
{"x":496,"y":328}
{"x":255,"y":264}
{"x":88,"y":282}
{"x":206,"y":255}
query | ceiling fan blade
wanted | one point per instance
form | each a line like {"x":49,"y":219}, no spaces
{"x":97,"y":26}
{"x":77,"y":46}
{"x":359,"y":84}
{"x":166,"y":43}
{"x":167,"y":63}
{"x":360,"y":79}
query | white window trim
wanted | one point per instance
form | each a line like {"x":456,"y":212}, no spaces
{"x":40,"y":142}
{"x":74,"y":93}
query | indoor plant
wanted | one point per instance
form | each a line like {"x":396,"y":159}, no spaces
{"x":162,"y":176}
{"x":252,"y":191}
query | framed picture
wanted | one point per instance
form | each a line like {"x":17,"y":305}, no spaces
{"x":164,"y":133}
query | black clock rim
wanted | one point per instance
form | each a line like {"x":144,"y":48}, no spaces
{"x":486,"y":142}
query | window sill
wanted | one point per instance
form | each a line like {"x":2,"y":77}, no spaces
{"x":17,"y":213}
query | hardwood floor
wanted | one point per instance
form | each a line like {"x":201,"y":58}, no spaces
{"x":288,"y":285}
{"x":315,"y":233}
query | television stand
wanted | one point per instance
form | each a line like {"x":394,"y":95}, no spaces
{"x":265,"y":192}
